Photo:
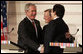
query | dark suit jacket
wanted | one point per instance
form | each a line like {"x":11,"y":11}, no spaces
{"x":55,"y":32}
{"x":43,"y":32}
{"x":27,"y":37}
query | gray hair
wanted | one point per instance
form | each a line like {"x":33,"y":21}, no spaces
{"x":49,"y":10}
{"x":28,"y":5}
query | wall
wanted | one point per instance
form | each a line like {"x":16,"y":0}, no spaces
{"x":12,"y":20}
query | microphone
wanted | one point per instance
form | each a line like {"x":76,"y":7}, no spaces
{"x":11,"y":30}
{"x":71,"y":36}
{"x":76,"y":32}
{"x":8,"y":32}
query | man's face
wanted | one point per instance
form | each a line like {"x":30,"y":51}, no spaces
{"x":47,"y":17}
{"x":31,"y":13}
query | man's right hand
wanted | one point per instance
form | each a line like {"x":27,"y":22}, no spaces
{"x":42,"y":49}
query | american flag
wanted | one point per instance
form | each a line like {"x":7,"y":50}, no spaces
{"x":4,"y":29}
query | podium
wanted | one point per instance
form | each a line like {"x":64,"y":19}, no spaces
{"x":10,"y":48}
{"x":73,"y":50}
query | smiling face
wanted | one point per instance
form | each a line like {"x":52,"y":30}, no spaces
{"x":47,"y":17}
{"x":31,"y":13}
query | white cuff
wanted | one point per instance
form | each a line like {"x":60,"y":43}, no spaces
{"x":39,"y":49}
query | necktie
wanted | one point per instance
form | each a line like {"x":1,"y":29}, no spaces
{"x":34,"y":27}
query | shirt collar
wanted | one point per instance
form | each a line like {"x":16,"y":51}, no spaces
{"x":30,"y":19}
{"x":56,"y":17}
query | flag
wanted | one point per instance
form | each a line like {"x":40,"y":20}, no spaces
{"x":4,"y":29}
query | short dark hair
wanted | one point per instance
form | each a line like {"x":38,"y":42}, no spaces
{"x":60,"y":10}
{"x":49,"y":10}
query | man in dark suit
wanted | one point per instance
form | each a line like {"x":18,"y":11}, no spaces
{"x":56,"y":30}
{"x":29,"y":31}
{"x":47,"y":18}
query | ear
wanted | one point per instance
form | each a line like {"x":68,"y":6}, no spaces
{"x":55,"y":13}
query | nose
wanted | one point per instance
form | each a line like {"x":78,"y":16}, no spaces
{"x":34,"y":12}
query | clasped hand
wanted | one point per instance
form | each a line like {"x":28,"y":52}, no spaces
{"x":42,"y":49}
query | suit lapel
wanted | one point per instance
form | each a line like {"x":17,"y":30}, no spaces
{"x":36,"y":23}
{"x":30,"y":25}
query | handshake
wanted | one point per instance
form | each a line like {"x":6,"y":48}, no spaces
{"x":41,"y":48}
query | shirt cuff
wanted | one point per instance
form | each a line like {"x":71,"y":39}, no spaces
{"x":39,"y":49}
